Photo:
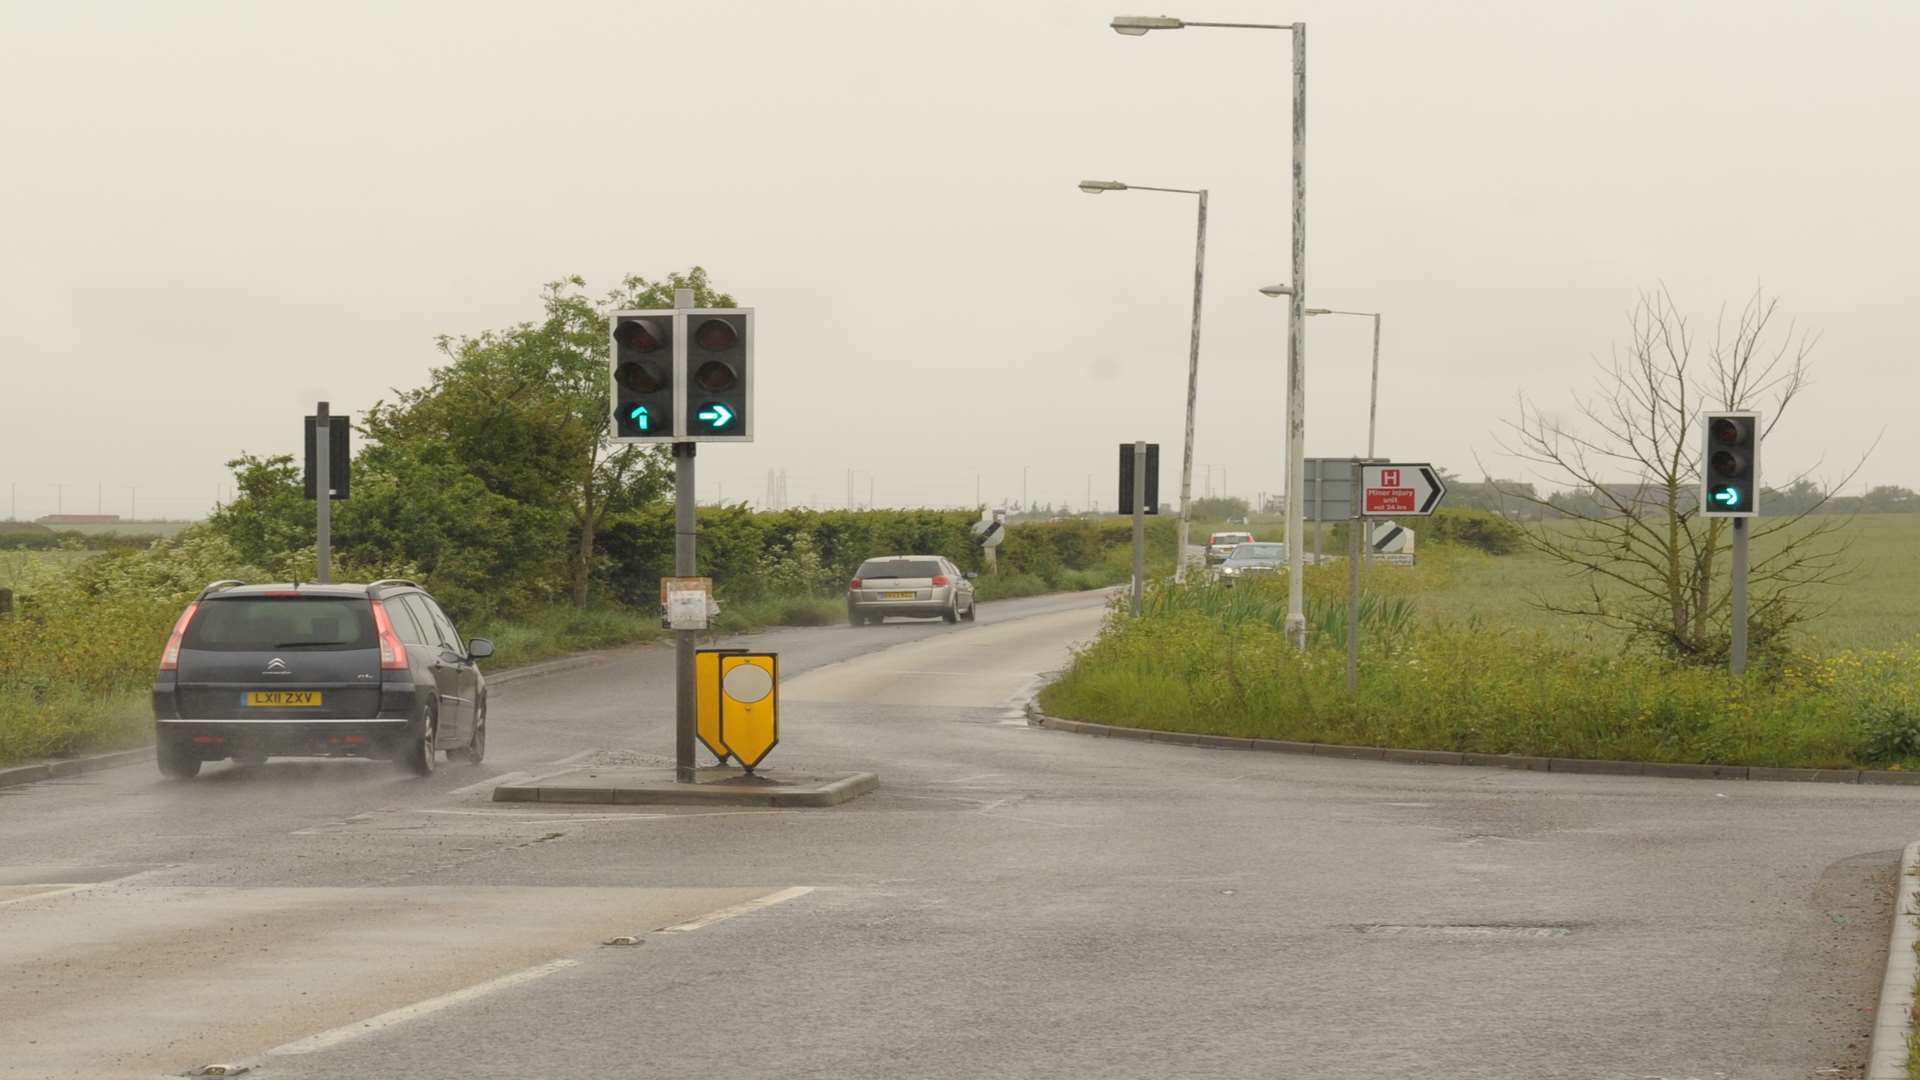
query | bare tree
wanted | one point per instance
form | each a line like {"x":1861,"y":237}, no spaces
{"x":1651,"y":562}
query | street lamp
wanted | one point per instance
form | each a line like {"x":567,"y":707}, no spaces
{"x":1137,"y":26}
{"x":1095,"y":187}
{"x":1373,"y":398}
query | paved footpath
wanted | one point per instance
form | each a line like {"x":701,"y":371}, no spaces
{"x":1013,"y":902}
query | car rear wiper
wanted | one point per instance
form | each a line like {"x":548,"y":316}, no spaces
{"x":298,"y":644}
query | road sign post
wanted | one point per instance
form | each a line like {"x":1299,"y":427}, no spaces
{"x":1356,"y":525}
{"x":322,"y":429}
{"x":1140,"y":496}
{"x":1383,"y":489}
{"x":1139,"y":524}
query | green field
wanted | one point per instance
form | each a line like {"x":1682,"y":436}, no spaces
{"x":1875,"y":604}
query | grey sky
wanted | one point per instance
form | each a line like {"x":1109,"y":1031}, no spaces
{"x":216,"y":213}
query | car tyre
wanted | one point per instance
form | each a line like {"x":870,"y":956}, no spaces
{"x":973,"y":610}
{"x":176,"y":761}
{"x":952,"y":614}
{"x":418,"y":756}
{"x":854,"y":618}
{"x":476,"y":749}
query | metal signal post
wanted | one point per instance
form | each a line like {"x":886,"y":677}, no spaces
{"x":1730,"y":488}
{"x":682,"y":376}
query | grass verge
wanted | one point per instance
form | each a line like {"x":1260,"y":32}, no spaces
{"x":1476,"y":688}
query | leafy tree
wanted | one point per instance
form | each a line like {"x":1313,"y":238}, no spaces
{"x":271,"y":515}
{"x":525,"y":409}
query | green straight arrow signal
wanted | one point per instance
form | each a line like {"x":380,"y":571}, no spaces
{"x":716,"y":415}
{"x":641,"y":418}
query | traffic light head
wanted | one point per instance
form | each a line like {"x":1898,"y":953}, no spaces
{"x":1730,"y":465}
{"x":719,"y":374}
{"x":643,"y":369}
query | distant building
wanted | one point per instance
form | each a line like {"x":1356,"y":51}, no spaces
{"x":79,"y":519}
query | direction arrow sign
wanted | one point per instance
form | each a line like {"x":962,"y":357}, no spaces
{"x":716,"y":415}
{"x":641,"y":418}
{"x":1400,"y":490}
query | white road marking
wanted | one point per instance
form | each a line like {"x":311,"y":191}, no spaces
{"x":329,"y":1039}
{"x":63,"y":889}
{"x":503,"y":778}
{"x":738,"y":909}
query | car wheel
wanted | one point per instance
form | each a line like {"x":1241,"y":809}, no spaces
{"x":418,"y":756}
{"x":476,"y":749}
{"x":952,"y":614}
{"x":973,"y":610}
{"x":176,"y":761}
{"x":854,"y":618}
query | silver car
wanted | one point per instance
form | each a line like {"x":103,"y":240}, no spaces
{"x":914,"y":585}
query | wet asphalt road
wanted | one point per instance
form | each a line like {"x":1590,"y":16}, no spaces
{"x":1013,"y":902}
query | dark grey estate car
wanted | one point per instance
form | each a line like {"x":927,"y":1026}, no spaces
{"x":259,"y":671}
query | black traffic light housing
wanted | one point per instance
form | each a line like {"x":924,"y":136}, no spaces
{"x":682,"y":375}
{"x":1730,"y":465}
{"x":1153,"y":478}
{"x":643,"y":376}
{"x":719,"y":366}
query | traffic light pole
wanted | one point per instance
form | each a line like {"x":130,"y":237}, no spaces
{"x":323,"y":496}
{"x":1139,"y":523}
{"x":683,"y":640}
{"x":1355,"y":527}
{"x":1739,"y":648}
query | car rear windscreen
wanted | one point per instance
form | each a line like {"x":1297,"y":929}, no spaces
{"x":277,"y":623}
{"x":897,"y":568}
{"x":1231,"y":538}
{"x":1251,"y":552}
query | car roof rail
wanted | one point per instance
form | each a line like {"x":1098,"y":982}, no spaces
{"x":393,"y":581}
{"x":218,"y":586}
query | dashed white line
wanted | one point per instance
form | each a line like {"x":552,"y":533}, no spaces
{"x":738,"y":909}
{"x":328,"y":1039}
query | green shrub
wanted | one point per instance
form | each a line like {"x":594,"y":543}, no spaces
{"x":1478,"y":529}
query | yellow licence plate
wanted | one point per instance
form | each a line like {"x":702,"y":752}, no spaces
{"x":283,"y":699}
{"x":898,"y":596}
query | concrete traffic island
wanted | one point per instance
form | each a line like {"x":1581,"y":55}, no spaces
{"x":644,"y":785}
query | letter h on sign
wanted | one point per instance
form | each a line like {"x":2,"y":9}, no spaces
{"x":1389,"y":477}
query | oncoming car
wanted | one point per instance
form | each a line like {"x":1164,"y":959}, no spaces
{"x":922,"y":585}
{"x":1221,"y":544}
{"x":304,"y":670}
{"x":1248,"y":559}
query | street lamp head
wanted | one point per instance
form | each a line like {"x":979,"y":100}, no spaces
{"x":1138,"y":25}
{"x":1095,"y":187}
{"x":1276,"y":290}
{"x":1319,"y":311}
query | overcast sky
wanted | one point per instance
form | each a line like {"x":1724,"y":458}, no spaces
{"x":216,"y":213}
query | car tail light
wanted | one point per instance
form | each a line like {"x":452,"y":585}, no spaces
{"x":207,"y":740}
{"x":393,"y":652}
{"x":170,"y":659}
{"x":940,"y":580}
{"x":854,"y":584}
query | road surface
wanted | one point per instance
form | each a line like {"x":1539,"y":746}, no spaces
{"x":1013,"y":902}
